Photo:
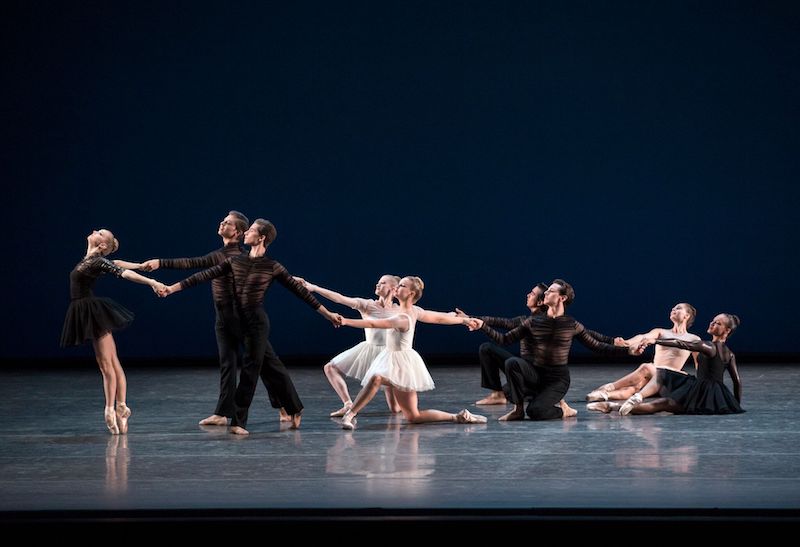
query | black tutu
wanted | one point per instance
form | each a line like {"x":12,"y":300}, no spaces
{"x":697,"y":396}
{"x":90,"y":318}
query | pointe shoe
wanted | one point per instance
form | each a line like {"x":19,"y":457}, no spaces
{"x":342,"y":411}
{"x":123,"y":413}
{"x":296,"y":420}
{"x":597,"y":395}
{"x":111,"y":420}
{"x":237,"y":430}
{"x":214,"y":419}
{"x":467,"y":417}
{"x":628,"y":405}
{"x":349,"y":421}
{"x":606,"y":387}
{"x":604,"y":406}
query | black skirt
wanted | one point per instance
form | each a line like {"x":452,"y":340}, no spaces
{"x":92,"y":317}
{"x":697,"y":396}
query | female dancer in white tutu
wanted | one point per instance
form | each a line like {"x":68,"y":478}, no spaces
{"x":399,"y":366}
{"x":355,"y":361}
{"x":92,"y":318}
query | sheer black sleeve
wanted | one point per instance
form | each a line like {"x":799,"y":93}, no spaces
{"x":506,"y":323}
{"x":285,"y":279}
{"x":207,"y":275}
{"x":206,"y":261}
{"x":514,"y":335}
{"x":600,"y":337}
{"x":106,"y":266}
{"x":706,"y":348}
{"x":593,"y":341}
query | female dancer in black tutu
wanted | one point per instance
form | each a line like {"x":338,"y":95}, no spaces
{"x":94,"y":318}
{"x":685,"y":394}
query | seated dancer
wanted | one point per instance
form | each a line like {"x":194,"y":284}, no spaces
{"x":682,"y":316}
{"x":682,"y":393}
{"x":355,"y":361}
{"x":398,"y":365}
{"x":253,"y":274}
{"x":546,"y":379}
{"x":93,"y":318}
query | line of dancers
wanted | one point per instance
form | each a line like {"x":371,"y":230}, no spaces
{"x":536,"y":381}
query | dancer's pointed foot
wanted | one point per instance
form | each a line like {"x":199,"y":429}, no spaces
{"x":567,"y":410}
{"x":494,"y":398}
{"x":628,"y":405}
{"x":467,"y":417}
{"x":603,"y":406}
{"x":214,"y":419}
{"x":111,"y":420}
{"x":349,"y":420}
{"x":597,"y":395}
{"x":514,"y":415}
{"x":295,"y":419}
{"x":236,"y":430}
{"x":123,"y":413}
{"x":342,"y":411}
{"x":284,"y":416}
{"x":607,"y":387}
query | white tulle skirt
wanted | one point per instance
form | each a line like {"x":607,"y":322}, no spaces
{"x":404,"y":369}
{"x":355,"y":361}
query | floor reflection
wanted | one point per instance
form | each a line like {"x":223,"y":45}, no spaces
{"x":117,"y":460}
{"x":393,"y":453}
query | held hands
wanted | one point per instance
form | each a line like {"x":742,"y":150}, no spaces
{"x":336,"y":319}
{"x":310,"y":287}
{"x":165,"y":291}
{"x":638,"y":350}
{"x":158,"y":288}
{"x":474,"y":324}
{"x":459,"y":313}
{"x":620,"y":342}
{"x":150,"y":265}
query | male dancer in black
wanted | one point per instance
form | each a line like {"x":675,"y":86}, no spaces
{"x":253,"y":274}
{"x":227,"y":328}
{"x":493,"y":358}
{"x":546,"y":378}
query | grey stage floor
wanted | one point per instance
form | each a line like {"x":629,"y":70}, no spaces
{"x":55,"y":454}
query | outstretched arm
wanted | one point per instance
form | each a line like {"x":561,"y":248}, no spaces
{"x":399,"y":322}
{"x":706,"y":348}
{"x":636,"y":341}
{"x":440,"y":318}
{"x":128,"y":265}
{"x":333,"y":296}
{"x":130,"y":275}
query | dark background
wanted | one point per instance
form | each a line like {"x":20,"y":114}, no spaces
{"x":647,"y":152}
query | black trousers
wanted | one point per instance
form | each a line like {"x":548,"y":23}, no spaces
{"x":493,"y":360}
{"x":230,"y":337}
{"x":545,"y":385}
{"x":258,"y":355}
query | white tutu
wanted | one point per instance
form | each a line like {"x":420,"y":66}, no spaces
{"x":404,"y":369}
{"x":355,"y":361}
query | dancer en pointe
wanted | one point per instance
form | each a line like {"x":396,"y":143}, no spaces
{"x":355,"y":361}
{"x":682,"y":393}
{"x":94,"y":318}
{"x":682,"y":316}
{"x":399,"y":366}
{"x":253,"y":274}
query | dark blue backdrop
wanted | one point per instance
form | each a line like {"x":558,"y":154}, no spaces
{"x":645,"y":151}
